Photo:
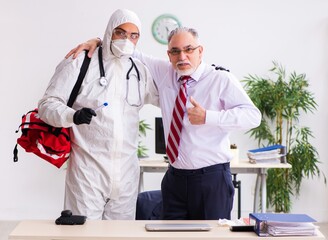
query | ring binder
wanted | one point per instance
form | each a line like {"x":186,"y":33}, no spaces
{"x":282,"y":224}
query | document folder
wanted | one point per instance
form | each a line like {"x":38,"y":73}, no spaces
{"x":290,"y":223}
{"x":269,"y":148}
{"x":270,"y":154}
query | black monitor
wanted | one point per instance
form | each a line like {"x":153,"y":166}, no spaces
{"x":160,"y":147}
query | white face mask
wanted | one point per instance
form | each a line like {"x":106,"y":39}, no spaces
{"x":122,"y":47}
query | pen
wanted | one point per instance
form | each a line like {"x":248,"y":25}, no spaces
{"x":101,"y":106}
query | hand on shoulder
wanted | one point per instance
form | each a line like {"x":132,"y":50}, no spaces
{"x":90,"y":45}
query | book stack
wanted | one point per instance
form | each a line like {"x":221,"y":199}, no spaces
{"x":271,"y":154}
{"x":283,"y":224}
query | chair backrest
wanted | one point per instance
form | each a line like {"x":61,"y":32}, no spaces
{"x":149,"y":205}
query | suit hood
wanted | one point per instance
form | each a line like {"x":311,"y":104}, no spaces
{"x":118,"y":18}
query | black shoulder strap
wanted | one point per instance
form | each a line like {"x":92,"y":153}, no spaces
{"x":77,"y":86}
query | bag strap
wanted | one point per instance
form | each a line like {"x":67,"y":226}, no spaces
{"x":83,"y":71}
{"x":77,"y":86}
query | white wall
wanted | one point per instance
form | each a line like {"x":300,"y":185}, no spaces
{"x":244,"y":36}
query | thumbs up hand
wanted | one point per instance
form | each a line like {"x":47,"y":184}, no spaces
{"x":197,"y":113}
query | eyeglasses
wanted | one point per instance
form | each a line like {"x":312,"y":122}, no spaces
{"x":188,"y":50}
{"x":121,"y":33}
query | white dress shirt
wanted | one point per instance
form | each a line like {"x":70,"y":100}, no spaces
{"x":227,"y":105}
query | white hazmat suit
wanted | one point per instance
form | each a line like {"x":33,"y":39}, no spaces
{"x":103,"y":171}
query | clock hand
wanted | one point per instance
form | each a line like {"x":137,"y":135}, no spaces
{"x":167,"y":30}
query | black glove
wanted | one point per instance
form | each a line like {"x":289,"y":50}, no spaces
{"x":83,"y":115}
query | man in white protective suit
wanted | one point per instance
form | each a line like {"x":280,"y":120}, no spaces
{"x":103,"y":171}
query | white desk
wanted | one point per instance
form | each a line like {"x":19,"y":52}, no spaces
{"x":127,"y":230}
{"x":242,"y":166}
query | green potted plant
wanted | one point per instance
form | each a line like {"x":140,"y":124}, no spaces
{"x":143,"y":127}
{"x":282,"y":100}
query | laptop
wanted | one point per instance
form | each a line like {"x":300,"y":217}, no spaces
{"x":160,"y":227}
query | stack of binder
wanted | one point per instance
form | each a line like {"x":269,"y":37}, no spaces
{"x":271,"y":154}
{"x":282,"y":224}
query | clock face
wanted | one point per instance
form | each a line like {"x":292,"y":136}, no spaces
{"x":163,"y":25}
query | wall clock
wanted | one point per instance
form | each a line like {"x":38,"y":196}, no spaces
{"x":163,"y":25}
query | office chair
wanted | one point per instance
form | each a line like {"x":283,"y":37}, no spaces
{"x":149,"y":205}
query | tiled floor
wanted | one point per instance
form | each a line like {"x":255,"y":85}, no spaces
{"x":7,"y":226}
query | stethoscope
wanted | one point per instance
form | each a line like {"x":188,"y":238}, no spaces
{"x":104,"y":82}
